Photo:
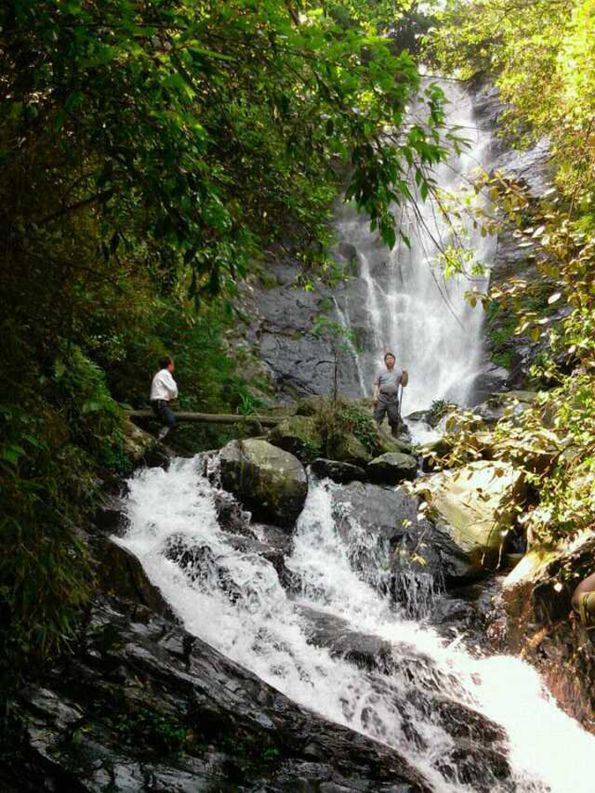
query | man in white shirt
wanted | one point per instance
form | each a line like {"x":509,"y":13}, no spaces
{"x":163,"y":390}
{"x":386,"y":392}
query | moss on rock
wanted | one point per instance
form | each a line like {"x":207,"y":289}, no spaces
{"x":475,"y":505}
{"x":298,"y":435}
{"x":268,"y":480}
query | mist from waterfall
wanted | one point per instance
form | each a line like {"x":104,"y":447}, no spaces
{"x":234,"y":599}
{"x":400,"y":300}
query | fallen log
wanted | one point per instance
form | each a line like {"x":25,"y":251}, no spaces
{"x":211,"y":418}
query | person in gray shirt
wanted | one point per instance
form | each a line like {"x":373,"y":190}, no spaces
{"x":386,"y":392}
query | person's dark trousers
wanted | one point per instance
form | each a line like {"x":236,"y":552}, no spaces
{"x":387,"y":405}
{"x":163,"y":412}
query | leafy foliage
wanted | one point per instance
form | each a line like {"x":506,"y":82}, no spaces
{"x":151,"y":154}
{"x":541,"y":57}
{"x":50,"y":455}
{"x":221,"y":125}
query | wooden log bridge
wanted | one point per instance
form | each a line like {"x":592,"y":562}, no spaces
{"x":212,"y":418}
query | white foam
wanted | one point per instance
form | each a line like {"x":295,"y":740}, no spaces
{"x":410,"y":308}
{"x":266,"y":631}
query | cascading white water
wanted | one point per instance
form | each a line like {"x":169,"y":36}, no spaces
{"x":409,"y":307}
{"x":233,"y":599}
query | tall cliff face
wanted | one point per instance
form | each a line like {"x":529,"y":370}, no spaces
{"x":280,"y":329}
{"x":512,"y":259}
{"x":398,"y":300}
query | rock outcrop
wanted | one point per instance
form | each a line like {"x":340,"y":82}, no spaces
{"x":534,"y":618}
{"x":269,"y":481}
{"x":144,"y":706}
{"x":475,"y":507}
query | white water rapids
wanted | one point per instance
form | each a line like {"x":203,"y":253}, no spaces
{"x":400,"y":301}
{"x":233,"y":599}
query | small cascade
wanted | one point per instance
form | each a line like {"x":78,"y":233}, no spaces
{"x":321,"y":625}
{"x":352,"y":349}
{"x":400,"y":300}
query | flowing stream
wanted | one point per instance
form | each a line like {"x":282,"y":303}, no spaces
{"x":432,"y":700}
{"x":319,"y":623}
{"x":400,"y":301}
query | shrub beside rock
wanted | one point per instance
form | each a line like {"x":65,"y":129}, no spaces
{"x":269,"y":481}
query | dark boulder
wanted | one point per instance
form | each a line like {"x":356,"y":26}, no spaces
{"x":392,"y":468}
{"x":119,"y":571}
{"x":342,"y":473}
{"x":230,"y":515}
{"x":148,"y":707}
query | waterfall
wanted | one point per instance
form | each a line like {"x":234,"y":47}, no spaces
{"x":408,"y":696}
{"x":400,"y":300}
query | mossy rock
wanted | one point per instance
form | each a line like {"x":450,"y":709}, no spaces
{"x":138,"y":444}
{"x":348,"y":449}
{"x":476,"y":506}
{"x":269,"y":481}
{"x":386,"y":444}
{"x":298,"y":435}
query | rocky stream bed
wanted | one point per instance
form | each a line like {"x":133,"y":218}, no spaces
{"x":145,"y":704}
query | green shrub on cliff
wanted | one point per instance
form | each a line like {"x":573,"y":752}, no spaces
{"x":54,"y":447}
{"x":541,"y":56}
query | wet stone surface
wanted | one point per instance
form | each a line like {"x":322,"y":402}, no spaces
{"x":144,"y":706}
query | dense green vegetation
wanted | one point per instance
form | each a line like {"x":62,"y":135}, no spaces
{"x":152,"y":154}
{"x":541,"y":55}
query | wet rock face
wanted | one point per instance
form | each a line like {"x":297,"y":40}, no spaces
{"x":393,"y":542}
{"x":144,"y":706}
{"x":533,"y":617}
{"x":282,"y":317}
{"x":478,"y":756}
{"x":268,"y":480}
{"x":201,"y":566}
